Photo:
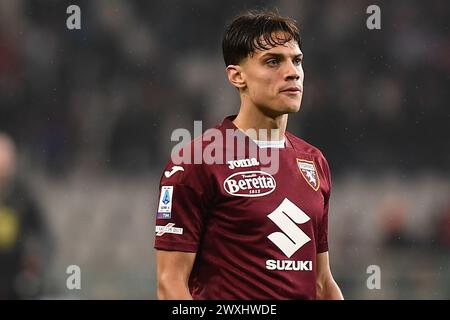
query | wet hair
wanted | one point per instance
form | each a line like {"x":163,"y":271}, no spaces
{"x":256,"y":30}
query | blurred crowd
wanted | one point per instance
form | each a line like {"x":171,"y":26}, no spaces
{"x":104,"y":100}
{"x":25,"y":239}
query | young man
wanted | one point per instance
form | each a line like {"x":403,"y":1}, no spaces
{"x":234,"y":230}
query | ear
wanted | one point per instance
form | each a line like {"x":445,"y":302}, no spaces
{"x":236,"y":76}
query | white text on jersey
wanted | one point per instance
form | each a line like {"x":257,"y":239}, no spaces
{"x":242,"y":163}
{"x":289,"y":265}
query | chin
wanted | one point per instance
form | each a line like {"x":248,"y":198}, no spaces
{"x":279,"y":109}
{"x":291,"y":109}
{"x":276,"y":112}
{"x":291,"y":106}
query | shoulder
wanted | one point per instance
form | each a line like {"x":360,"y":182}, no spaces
{"x":187,"y":159}
{"x":302,"y":146}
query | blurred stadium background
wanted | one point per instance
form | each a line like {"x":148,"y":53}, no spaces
{"x":92,"y":110}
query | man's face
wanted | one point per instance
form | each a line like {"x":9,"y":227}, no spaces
{"x":274,"y":79}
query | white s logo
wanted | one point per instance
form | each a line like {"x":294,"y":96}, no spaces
{"x":292,"y":238}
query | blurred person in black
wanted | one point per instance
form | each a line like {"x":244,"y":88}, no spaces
{"x":24,"y":237}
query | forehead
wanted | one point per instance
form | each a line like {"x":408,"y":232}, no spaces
{"x":290,"y":48}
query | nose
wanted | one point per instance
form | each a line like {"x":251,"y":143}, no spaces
{"x":293,"y":72}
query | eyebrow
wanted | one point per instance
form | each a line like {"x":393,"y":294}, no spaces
{"x":279,"y":55}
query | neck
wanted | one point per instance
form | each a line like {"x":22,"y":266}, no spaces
{"x":273,"y":127}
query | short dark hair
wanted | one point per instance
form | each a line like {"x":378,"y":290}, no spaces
{"x":255,"y":30}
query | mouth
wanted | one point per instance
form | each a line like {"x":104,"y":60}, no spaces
{"x":292,"y":90}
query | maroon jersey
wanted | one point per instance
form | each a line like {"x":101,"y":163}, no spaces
{"x":256,"y":234}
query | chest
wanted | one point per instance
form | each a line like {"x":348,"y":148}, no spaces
{"x":251,"y":199}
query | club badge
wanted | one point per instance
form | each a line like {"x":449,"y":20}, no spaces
{"x":308,"y":170}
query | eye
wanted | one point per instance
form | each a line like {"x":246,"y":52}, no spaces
{"x":272,"y":62}
{"x":298,"y":61}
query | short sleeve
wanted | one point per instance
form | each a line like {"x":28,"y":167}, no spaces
{"x":182,"y":208}
{"x":322,"y":245}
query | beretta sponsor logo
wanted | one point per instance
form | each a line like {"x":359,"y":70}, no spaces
{"x":249,"y":184}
